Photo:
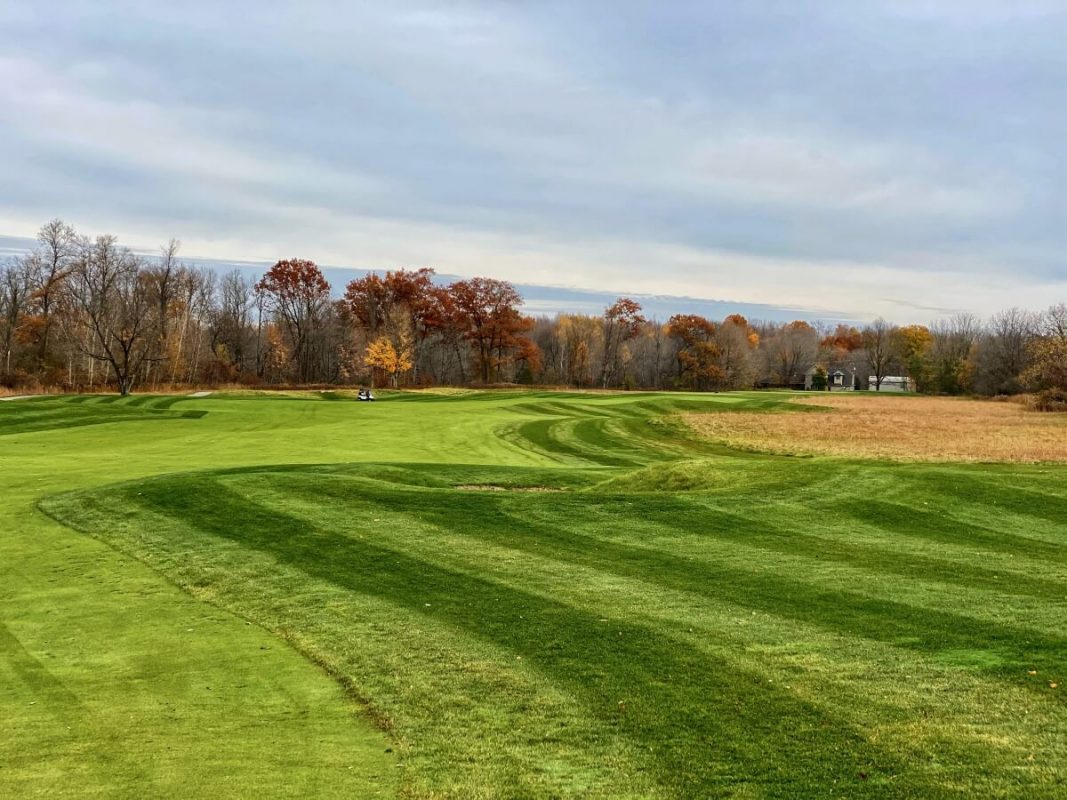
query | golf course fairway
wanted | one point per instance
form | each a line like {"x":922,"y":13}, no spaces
{"x":514,"y":594}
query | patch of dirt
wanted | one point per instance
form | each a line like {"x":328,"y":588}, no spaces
{"x":896,"y":428}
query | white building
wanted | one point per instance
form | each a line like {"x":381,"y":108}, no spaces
{"x":892,"y":383}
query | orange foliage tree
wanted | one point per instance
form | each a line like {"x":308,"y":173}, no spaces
{"x":737,"y":342}
{"x":698,"y":352}
{"x":844,"y":339}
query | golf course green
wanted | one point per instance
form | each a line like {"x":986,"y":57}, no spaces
{"x":514,"y":594}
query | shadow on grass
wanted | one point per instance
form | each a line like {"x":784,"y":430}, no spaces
{"x":707,"y":727}
{"x":501,"y":520}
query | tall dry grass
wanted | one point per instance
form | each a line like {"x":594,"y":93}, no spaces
{"x":897,"y":428}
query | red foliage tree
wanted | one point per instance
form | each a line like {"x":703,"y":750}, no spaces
{"x":296,"y":290}
{"x":402,"y":304}
{"x":528,"y":358}
{"x":367,"y":300}
{"x":622,"y":322}
{"x":488,"y":312}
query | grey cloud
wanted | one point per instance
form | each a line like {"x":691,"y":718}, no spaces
{"x":911,"y":136}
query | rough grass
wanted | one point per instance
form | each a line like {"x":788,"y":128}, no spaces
{"x":677,"y":619}
{"x":896,"y":428}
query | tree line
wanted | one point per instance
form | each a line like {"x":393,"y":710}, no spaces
{"x":81,"y":313}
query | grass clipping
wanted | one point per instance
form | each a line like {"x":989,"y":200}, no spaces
{"x":896,"y":428}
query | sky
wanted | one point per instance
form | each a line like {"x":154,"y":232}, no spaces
{"x":903,"y":159}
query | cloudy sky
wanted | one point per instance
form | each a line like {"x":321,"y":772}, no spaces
{"x":901,"y":158}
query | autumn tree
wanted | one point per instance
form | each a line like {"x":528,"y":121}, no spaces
{"x":372,"y":300}
{"x":1047,"y":353}
{"x":384,"y":356}
{"x":622,"y":322}
{"x":183,"y":297}
{"x":527,"y":358}
{"x":578,"y":340}
{"x":298,"y":293}
{"x":737,"y":342}
{"x":76,"y":311}
{"x":912,"y":347}
{"x":275,"y":356}
{"x":367,"y":299}
{"x":403,"y":303}
{"x":488,"y":310}
{"x":843,"y":339}
{"x":446,"y":324}
{"x":1048,"y":364}
{"x":698,"y":353}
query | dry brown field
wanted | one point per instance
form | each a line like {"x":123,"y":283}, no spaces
{"x":896,"y":428}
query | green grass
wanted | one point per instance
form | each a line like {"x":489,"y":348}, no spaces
{"x":515,"y":595}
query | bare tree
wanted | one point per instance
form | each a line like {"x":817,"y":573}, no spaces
{"x":166,"y":275}
{"x":1001,"y":356}
{"x":15,"y":288}
{"x":191,"y":308}
{"x":111,"y":299}
{"x":58,"y":247}
{"x":1053,"y":323}
{"x":953,"y":340}
{"x":655,"y":353}
{"x":879,"y":345}
{"x":790,"y":351}
{"x":230,"y":321}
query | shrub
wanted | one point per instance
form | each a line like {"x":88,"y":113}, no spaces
{"x":1050,"y":400}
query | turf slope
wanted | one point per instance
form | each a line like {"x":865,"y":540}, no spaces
{"x":551,"y":595}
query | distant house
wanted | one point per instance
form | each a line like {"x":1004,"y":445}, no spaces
{"x":892,"y":383}
{"x":836,"y":380}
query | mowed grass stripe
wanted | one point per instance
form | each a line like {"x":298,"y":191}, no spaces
{"x":388,"y":564}
{"x":668,"y":703}
{"x":893,"y":622}
{"x":525,"y":525}
{"x":48,"y":415}
{"x":537,"y":568}
{"x":860,"y":552}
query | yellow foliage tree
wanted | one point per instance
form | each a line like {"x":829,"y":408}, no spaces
{"x":913,"y":344}
{"x":391,"y":359}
